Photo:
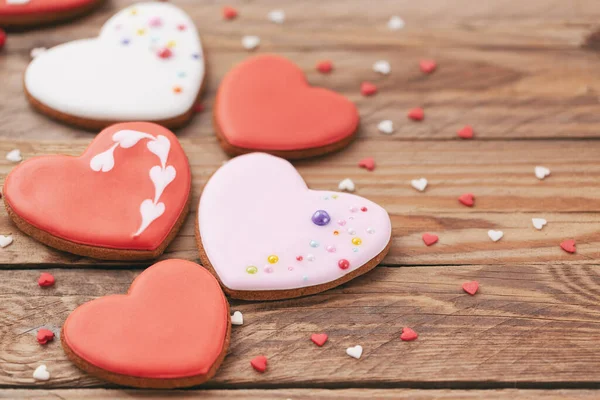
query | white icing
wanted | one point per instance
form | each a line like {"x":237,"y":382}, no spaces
{"x":14,"y":2}
{"x":104,"y":79}
{"x":160,"y":175}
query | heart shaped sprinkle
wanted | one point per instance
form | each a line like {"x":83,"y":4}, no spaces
{"x":237,"y":318}
{"x":355,"y":351}
{"x":250,"y":42}
{"x":427,"y":66}
{"x":259,"y":363}
{"x":467,"y":199}
{"x":416,"y":114}
{"x":538,"y":223}
{"x":276,"y":16}
{"x":382,"y":66}
{"x":466,"y":132}
{"x":325,"y":66}
{"x":319,"y":338}
{"x":430,"y":239}
{"x":368,"y":89}
{"x":395,"y":23}
{"x":229,"y":13}
{"x":541,"y":172}
{"x":568,"y":246}
{"x":471,"y":287}
{"x":45,"y":280}
{"x":367,"y":163}
{"x":44,"y":336}
{"x":5,"y":240}
{"x":408,"y":334}
{"x":14,"y":156}
{"x":347,"y":185}
{"x":495,"y":235}
{"x":41,"y":373}
{"x":386,"y":126}
{"x":419,"y":184}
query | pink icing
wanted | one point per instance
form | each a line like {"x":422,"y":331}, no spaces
{"x":257,"y":206}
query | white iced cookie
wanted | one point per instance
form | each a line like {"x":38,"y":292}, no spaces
{"x":146,"y":65}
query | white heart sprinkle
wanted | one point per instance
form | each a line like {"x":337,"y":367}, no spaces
{"x":355,"y":351}
{"x":395,"y":23}
{"x":541,"y":172}
{"x":419,"y":184}
{"x":347,"y":185}
{"x":14,"y":155}
{"x":250,"y":42}
{"x":237,"y":318}
{"x":5,"y":240}
{"x":538,"y":223}
{"x":277,"y":16}
{"x":382,"y":66}
{"x":386,"y":126}
{"x":495,"y":235}
{"x":41,"y":373}
{"x":37,"y":51}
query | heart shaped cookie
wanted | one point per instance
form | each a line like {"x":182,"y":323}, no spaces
{"x":25,"y":13}
{"x":170,"y":330}
{"x":125,"y":198}
{"x":146,"y":65}
{"x":266,"y":104}
{"x":266,"y":236}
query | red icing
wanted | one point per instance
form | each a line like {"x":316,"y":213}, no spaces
{"x":45,"y":279}
{"x":265,"y":103}
{"x":63,"y":196}
{"x":259,"y":363}
{"x":171,"y":324}
{"x":44,"y":336}
{"x":408,"y":334}
{"x":319,"y":338}
{"x":471,"y":287}
{"x":42,"y":6}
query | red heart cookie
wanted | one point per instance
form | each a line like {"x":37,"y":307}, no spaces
{"x":22,"y":13}
{"x":266,"y":104}
{"x":170,"y":330}
{"x":124,"y":198}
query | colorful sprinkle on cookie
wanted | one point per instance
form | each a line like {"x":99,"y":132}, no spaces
{"x":471,"y":287}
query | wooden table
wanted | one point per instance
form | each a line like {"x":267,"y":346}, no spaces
{"x":524,"y":74}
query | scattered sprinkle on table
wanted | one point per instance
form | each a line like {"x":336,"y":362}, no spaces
{"x":229,"y":13}
{"x":347,"y":185}
{"x":367,"y":163}
{"x":276,"y":16}
{"x":237,"y":318}
{"x":386,"y":126}
{"x":41,"y":373}
{"x":382,"y":66}
{"x":419,"y":184}
{"x":368,"y":89}
{"x":471,"y":287}
{"x":408,"y":334}
{"x":355,"y":351}
{"x":568,"y":246}
{"x":250,"y":42}
{"x":495,"y":235}
{"x":466,"y":132}
{"x":325,"y":66}
{"x":44,"y":336}
{"x":416,"y":114}
{"x":319,"y":338}
{"x":5,"y":240}
{"x":429,"y":239}
{"x":259,"y":363}
{"x":427,"y":66}
{"x":541,"y":172}
{"x":46,"y":279}
{"x":14,"y":156}
{"x":467,"y":199}
{"x":538,"y":223}
{"x":395,"y":23}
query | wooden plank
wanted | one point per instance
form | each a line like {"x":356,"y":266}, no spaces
{"x":529,"y":326}
{"x":503,"y":66}
{"x":507,"y":194}
{"x":300,"y":394}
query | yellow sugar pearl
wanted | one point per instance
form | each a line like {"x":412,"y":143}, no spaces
{"x":336,"y":233}
{"x":171,"y":44}
{"x":356,"y":241}
{"x":252,"y":270}
{"x":272,"y":259}
{"x":141,"y":32}
{"x":335,"y":196}
{"x":133,"y":11}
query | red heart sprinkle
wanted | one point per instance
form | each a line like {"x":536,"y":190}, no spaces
{"x":259,"y":363}
{"x":319,"y":338}
{"x":568,"y":246}
{"x":427,"y":66}
{"x":471,"y":287}
{"x":416,"y":114}
{"x":430,"y":239}
{"x":164,"y":53}
{"x":45,"y":280}
{"x":2,"y":38}
{"x":368,"y":89}
{"x":408,"y":334}
{"x":199,"y":108}
{"x":325,"y":66}
{"x":181,"y":27}
{"x":44,"y":336}
{"x":367,"y":163}
{"x":466,"y":132}
{"x":229,"y":12}
{"x":467,"y":199}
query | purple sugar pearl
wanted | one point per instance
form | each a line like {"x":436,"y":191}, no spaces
{"x":321,"y":218}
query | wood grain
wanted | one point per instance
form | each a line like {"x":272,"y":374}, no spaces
{"x":529,"y":326}
{"x":501,"y":177}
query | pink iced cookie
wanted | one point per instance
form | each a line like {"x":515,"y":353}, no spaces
{"x":265,"y":235}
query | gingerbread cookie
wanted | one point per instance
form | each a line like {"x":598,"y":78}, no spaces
{"x":266,"y":104}
{"x":125,"y":198}
{"x":146,"y":65}
{"x":170,"y":330}
{"x":27,"y":13}
{"x":265,"y":235}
